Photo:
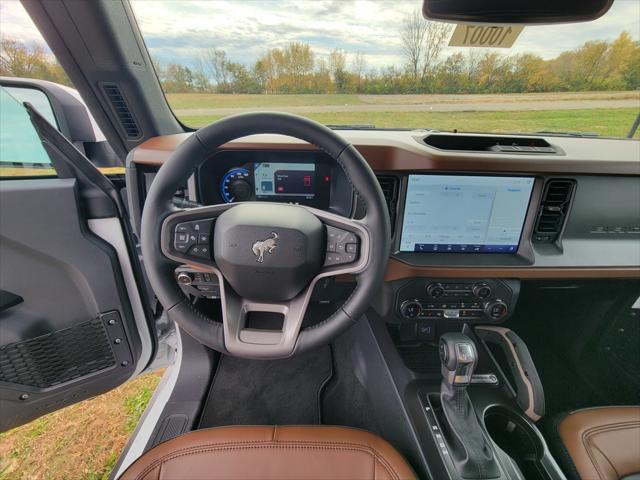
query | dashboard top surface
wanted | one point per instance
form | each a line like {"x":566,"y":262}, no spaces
{"x":404,"y":151}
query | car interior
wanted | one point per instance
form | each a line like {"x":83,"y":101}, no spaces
{"x":289,"y":274}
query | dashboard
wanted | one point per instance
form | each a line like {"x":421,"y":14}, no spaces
{"x":472,"y":221}
{"x":568,"y":210}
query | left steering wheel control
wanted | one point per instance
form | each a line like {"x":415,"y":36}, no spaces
{"x":193,"y":238}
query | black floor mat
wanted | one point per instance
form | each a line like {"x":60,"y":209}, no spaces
{"x":268,"y":392}
{"x":346,"y":401}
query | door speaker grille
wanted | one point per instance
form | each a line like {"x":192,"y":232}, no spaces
{"x":57,"y":357}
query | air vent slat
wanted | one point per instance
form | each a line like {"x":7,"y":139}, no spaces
{"x":122,"y":111}
{"x":553,"y":210}
{"x":389,"y":185}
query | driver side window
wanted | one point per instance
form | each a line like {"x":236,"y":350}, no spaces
{"x":21,"y":152}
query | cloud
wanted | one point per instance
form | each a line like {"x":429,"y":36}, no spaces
{"x":180,"y":29}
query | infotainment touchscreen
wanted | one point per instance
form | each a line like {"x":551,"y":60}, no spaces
{"x":464,"y":214}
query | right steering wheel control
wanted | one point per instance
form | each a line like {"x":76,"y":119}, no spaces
{"x":469,"y":301}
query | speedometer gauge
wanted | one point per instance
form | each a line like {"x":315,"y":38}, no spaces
{"x":235,"y":186}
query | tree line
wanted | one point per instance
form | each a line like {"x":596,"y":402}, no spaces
{"x":297,"y":68}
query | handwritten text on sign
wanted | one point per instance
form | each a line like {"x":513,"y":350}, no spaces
{"x":485,"y":36}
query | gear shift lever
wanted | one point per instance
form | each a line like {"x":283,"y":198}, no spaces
{"x":470,"y":451}
{"x":458,"y":356}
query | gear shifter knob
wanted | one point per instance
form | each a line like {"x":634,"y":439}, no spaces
{"x":469,"y":448}
{"x":459,"y":357}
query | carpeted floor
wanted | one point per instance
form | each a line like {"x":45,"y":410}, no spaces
{"x":268,"y":392}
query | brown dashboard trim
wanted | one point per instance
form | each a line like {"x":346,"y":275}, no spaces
{"x":397,"y":270}
{"x":400,"y":151}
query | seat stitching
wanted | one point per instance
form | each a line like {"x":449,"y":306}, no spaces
{"x":256,"y":445}
{"x":390,"y":470}
{"x":591,"y":432}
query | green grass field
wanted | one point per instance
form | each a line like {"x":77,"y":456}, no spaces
{"x":388,"y":111}
{"x":613,"y":122}
{"x":80,"y":441}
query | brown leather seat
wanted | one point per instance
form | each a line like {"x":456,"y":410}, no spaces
{"x":296,"y":452}
{"x":603,"y":443}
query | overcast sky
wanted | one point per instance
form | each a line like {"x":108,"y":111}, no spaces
{"x":177,"y":30}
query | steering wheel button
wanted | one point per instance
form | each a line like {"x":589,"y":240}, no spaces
{"x":182,"y":237}
{"x":200,"y":251}
{"x":203,"y":238}
{"x":340,"y":247}
{"x":201,"y":226}
{"x":352,"y":248}
{"x":182,"y":227}
{"x":331,"y":246}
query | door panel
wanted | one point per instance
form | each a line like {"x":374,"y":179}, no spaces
{"x":74,"y":334}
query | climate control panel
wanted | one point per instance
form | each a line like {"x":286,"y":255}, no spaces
{"x":481,"y":301}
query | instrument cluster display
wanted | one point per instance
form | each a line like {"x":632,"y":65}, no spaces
{"x":292,"y":177}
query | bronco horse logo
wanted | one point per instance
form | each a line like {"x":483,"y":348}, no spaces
{"x":261,"y":246}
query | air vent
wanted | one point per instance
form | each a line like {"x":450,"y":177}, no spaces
{"x":122,"y":111}
{"x":389,"y":185}
{"x":553,"y":210}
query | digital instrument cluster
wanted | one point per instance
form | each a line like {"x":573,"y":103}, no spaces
{"x":294,"y":182}
{"x":303,"y":177}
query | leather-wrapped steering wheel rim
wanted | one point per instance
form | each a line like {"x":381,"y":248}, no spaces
{"x":200,"y":146}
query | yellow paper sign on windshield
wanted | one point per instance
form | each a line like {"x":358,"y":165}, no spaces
{"x":485,"y":36}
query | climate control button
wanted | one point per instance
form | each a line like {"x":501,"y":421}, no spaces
{"x":482,"y":290}
{"x":410,"y":309}
{"x":435,"y":290}
{"x":496,"y":309}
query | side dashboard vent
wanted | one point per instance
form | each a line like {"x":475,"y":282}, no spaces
{"x":389,"y":185}
{"x":553,"y":210}
{"x":122,"y":110}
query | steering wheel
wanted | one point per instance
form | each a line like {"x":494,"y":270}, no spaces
{"x":267,"y":256}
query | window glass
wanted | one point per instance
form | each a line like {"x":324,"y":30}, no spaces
{"x":21,"y":152}
{"x":381,"y":64}
{"x":35,"y":97}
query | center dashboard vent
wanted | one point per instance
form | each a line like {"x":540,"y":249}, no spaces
{"x":553,"y":210}
{"x":122,"y":110}
{"x":389,"y":185}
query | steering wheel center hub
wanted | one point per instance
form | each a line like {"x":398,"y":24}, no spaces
{"x":268,"y":252}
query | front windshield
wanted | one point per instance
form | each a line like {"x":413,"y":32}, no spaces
{"x":380,"y":64}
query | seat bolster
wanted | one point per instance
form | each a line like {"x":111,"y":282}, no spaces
{"x":603,"y":443}
{"x":266,"y":452}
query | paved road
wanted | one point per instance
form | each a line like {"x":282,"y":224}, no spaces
{"x":435,"y":107}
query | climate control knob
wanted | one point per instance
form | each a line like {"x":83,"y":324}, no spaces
{"x":410,"y":309}
{"x":435,"y":290}
{"x":496,"y":309}
{"x":482,"y":290}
